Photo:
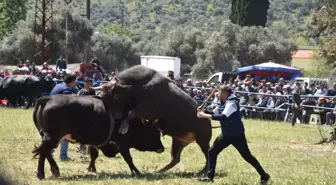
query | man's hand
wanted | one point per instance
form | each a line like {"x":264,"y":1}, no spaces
{"x":200,"y":108}
{"x":201,"y":114}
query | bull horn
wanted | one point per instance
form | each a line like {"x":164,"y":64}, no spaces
{"x":97,"y":88}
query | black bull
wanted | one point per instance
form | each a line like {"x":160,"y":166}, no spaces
{"x":15,"y":87}
{"x":85,"y":120}
{"x":148,"y":95}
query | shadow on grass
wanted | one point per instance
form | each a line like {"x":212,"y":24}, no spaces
{"x":145,"y":176}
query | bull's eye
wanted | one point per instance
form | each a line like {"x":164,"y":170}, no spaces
{"x":116,"y":97}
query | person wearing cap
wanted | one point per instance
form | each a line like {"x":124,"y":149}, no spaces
{"x":233,"y":133}
{"x":281,"y":104}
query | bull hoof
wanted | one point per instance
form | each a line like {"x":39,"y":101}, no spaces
{"x":92,"y":170}
{"x":40,"y":175}
{"x":202,"y":172}
{"x":55,"y":172}
{"x":136,"y":174}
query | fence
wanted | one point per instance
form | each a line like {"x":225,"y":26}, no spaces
{"x":287,"y":102}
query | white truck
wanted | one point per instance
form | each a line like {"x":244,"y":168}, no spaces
{"x":162,"y":64}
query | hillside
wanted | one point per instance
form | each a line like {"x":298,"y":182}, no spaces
{"x":161,"y":16}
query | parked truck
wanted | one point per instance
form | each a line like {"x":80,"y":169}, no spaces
{"x":162,"y":64}
{"x":222,"y":77}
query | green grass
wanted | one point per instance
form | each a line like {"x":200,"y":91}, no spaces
{"x":288,"y":154}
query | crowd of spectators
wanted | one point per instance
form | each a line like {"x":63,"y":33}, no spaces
{"x":271,"y":100}
{"x":258,"y":99}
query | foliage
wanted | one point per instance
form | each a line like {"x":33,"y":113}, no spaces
{"x":279,"y":148}
{"x":319,"y":69}
{"x":249,"y":12}
{"x":324,"y":23}
{"x":114,"y":29}
{"x":11,"y":11}
{"x":20,"y":44}
{"x":232,"y":47}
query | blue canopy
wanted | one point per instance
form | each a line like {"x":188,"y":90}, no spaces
{"x":271,"y":69}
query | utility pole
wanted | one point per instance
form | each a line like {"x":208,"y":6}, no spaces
{"x":88,"y":9}
{"x":42,"y":27}
{"x":122,"y":12}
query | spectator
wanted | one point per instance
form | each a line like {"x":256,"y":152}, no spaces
{"x":95,"y":80}
{"x":248,"y":86}
{"x":312,"y":89}
{"x":199,"y":97}
{"x":87,"y":90}
{"x":332,"y":91}
{"x":331,"y":115}
{"x":267,"y":113}
{"x":248,"y":79}
{"x":189,"y":83}
{"x":179,"y":83}
{"x":61,"y":64}
{"x":296,"y":98}
{"x":33,"y":69}
{"x":306,"y":89}
{"x":6,"y":73}
{"x":319,"y":91}
{"x":65,"y":88}
{"x":280,"y":103}
{"x":282,"y":82}
{"x":171,"y":75}
{"x":307,"y":111}
{"x":97,"y":64}
{"x":322,"y":103}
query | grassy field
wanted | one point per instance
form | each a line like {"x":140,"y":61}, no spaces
{"x":290,"y":155}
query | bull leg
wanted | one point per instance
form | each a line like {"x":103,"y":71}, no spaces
{"x":93,"y":155}
{"x":40,"y":167}
{"x":29,"y":102}
{"x":44,"y":151}
{"x":53,"y":166}
{"x":125,"y":153}
{"x":176,"y":151}
{"x":204,"y":145}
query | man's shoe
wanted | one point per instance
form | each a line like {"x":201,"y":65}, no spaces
{"x":205,"y":179}
{"x":66,"y":159}
{"x":265,"y":179}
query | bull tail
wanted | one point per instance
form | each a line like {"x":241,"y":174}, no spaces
{"x":40,"y":102}
{"x":215,"y":127}
{"x":36,"y":151}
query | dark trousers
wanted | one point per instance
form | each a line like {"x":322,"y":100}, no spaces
{"x":240,"y":143}
{"x":297,"y":113}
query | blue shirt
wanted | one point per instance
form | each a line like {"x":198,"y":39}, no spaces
{"x":229,"y":116}
{"x":61,"y":88}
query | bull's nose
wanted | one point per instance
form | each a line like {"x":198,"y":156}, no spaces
{"x":160,"y":150}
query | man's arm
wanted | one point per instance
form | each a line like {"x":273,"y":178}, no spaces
{"x":230,"y":108}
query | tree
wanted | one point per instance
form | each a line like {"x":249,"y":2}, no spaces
{"x":234,"y":46}
{"x":249,"y":12}
{"x":11,"y":11}
{"x":325,"y":28}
